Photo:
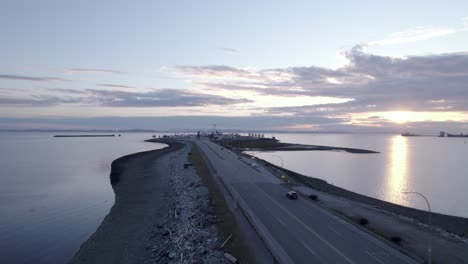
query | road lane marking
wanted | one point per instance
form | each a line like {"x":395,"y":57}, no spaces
{"x":308,"y":228}
{"x":374,"y":257}
{"x":308,"y":248}
{"x":334,"y":230}
{"x":281,"y":222}
{"x":320,"y":260}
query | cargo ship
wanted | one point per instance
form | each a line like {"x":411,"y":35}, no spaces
{"x":408,"y":134}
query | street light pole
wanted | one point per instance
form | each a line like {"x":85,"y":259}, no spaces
{"x":429,"y":250}
{"x":282,"y":168}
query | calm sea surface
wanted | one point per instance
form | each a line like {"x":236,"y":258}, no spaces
{"x":435,"y":167}
{"x":54,"y":192}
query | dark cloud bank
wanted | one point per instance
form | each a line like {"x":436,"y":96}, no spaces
{"x":433,"y":83}
{"x":116,"y":98}
{"x":423,"y":83}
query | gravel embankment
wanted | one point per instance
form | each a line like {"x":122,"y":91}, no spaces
{"x":161,"y":214}
{"x":189,"y":235}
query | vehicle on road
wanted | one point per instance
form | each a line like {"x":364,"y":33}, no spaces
{"x":292,"y":195}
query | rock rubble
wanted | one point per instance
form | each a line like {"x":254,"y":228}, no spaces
{"x":189,"y":234}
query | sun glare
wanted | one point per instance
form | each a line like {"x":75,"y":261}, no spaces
{"x":399,"y":117}
{"x":397,"y":175}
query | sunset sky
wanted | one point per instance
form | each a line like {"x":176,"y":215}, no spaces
{"x":354,"y":66}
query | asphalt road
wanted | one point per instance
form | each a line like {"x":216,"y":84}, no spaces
{"x":301,"y":231}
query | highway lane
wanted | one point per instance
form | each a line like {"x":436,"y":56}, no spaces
{"x":305,"y":232}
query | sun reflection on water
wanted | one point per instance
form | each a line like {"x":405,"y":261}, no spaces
{"x":397,"y":175}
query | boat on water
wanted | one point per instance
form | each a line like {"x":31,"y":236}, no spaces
{"x":408,"y":134}
{"x":457,"y":135}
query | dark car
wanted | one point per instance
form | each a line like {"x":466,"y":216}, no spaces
{"x":291,"y":195}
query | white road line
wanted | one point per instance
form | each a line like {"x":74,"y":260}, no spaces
{"x":334,"y":230}
{"x":374,"y":257}
{"x":281,"y":222}
{"x":308,"y":248}
{"x":311,"y":251}
{"x":320,"y":260}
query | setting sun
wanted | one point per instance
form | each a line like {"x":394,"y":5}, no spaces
{"x":399,"y":116}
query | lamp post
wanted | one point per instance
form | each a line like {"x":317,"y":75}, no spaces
{"x":282,"y":168}
{"x":429,"y":249}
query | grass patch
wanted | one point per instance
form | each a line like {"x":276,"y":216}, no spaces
{"x":227,"y":226}
{"x":365,"y":223}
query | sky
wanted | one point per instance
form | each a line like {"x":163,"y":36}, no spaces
{"x":322,"y":66}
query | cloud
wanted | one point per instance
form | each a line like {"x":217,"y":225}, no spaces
{"x":31,"y":78}
{"x":227,"y":73}
{"x":37,"y":101}
{"x":212,"y":71}
{"x":375,"y":84}
{"x":231,"y":50}
{"x":247,"y":123}
{"x":465,"y":22}
{"x":419,"y":34}
{"x":114,"y":85}
{"x":160,"y":98}
{"x":165,"y":123}
{"x":84,"y":70}
{"x":22,"y":101}
{"x":115,"y":98}
{"x":413,"y":35}
{"x":433,"y":83}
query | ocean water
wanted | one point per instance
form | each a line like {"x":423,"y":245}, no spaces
{"x":435,"y":167}
{"x":54,"y":192}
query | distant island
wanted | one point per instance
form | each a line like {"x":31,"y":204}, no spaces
{"x":85,"y":135}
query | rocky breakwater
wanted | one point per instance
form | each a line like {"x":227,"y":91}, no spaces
{"x":189,"y":234}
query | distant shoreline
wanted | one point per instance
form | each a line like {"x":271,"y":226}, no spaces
{"x":62,"y":136}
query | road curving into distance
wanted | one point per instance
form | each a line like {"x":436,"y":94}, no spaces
{"x":296,"y":231}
